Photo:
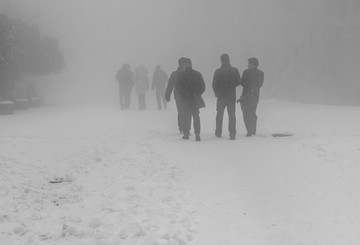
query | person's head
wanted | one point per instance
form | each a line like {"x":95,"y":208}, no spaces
{"x":181,"y":61}
{"x":253,"y":62}
{"x":187,"y":63}
{"x":126,"y":66}
{"x":225,"y":59}
{"x":141,"y":70}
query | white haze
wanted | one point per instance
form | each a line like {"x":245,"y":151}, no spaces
{"x":98,"y":36}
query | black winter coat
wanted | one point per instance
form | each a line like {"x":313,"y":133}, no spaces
{"x":126,"y":79}
{"x":190,"y":87}
{"x":252,"y":80}
{"x":225,"y":81}
{"x":171,"y":86}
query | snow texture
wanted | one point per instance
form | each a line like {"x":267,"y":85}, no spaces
{"x":98,"y":175}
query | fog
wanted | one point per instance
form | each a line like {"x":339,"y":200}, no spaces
{"x":98,"y":36}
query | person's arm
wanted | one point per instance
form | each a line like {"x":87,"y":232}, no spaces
{"x":170,"y":87}
{"x":237,"y":78}
{"x":153,"y":82}
{"x":202,"y":84}
{"x":215,"y":84}
{"x":261,"y":79}
{"x":243,"y":82}
{"x":244,"y":79}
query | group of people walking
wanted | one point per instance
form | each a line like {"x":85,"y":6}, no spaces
{"x":128,"y":80}
{"x":188,"y":86}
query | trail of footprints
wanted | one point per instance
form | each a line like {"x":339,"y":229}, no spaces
{"x":132,"y":194}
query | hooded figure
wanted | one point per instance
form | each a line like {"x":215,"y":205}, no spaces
{"x":159,"y":84}
{"x":141,"y":85}
{"x":190,"y":87}
{"x":125,"y":77}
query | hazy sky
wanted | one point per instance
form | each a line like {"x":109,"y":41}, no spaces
{"x":154,"y":31}
{"x":98,"y":36}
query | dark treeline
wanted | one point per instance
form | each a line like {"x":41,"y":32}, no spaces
{"x":25,"y":51}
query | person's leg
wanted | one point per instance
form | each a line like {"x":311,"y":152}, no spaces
{"x":158,"y":99}
{"x":180,"y":115}
{"x":255,"y":119}
{"x":139,"y":101}
{"x":196,"y":117}
{"x":144,"y":101}
{"x":186,"y":120}
{"x":247,"y":121}
{"x":231,"y":109}
{"x":162,"y":94}
{"x":121,"y":98}
{"x":220,"y":107}
{"x":127,"y":95}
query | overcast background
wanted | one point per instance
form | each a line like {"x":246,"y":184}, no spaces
{"x":98,"y":36}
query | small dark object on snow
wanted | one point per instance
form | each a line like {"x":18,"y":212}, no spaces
{"x":56,"y":181}
{"x":282,"y":135}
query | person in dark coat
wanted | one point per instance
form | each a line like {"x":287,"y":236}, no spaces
{"x":190,"y":87}
{"x":225,"y":81}
{"x":159,"y":84}
{"x":125,"y":77}
{"x":252,"y":80}
{"x":171,"y":86}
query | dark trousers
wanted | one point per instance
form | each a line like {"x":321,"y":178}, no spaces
{"x":250,"y":117}
{"x":228,"y":102}
{"x":180,"y":116}
{"x":160,"y":98}
{"x":142,"y":103}
{"x":190,"y":111}
{"x":124,"y":98}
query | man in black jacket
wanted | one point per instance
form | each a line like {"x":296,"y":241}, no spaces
{"x":190,"y":87}
{"x":225,"y":81}
{"x":125,"y":77}
{"x":252,"y":80}
{"x":171,"y":86}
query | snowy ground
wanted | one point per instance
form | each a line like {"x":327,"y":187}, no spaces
{"x":128,"y":178}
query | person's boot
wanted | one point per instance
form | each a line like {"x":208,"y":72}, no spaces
{"x":218,"y":135}
{"x":248,"y":135}
{"x":197,"y":138}
{"x":232,"y":137}
{"x":186,"y":136}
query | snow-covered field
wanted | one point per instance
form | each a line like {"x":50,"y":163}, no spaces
{"x":126,"y":178}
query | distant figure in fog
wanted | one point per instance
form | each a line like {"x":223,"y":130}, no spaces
{"x":171,"y":86}
{"x":159,"y":84}
{"x":225,"y":81}
{"x":252,"y":80}
{"x":141,"y":85}
{"x":190,"y":87}
{"x":125,"y":77}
